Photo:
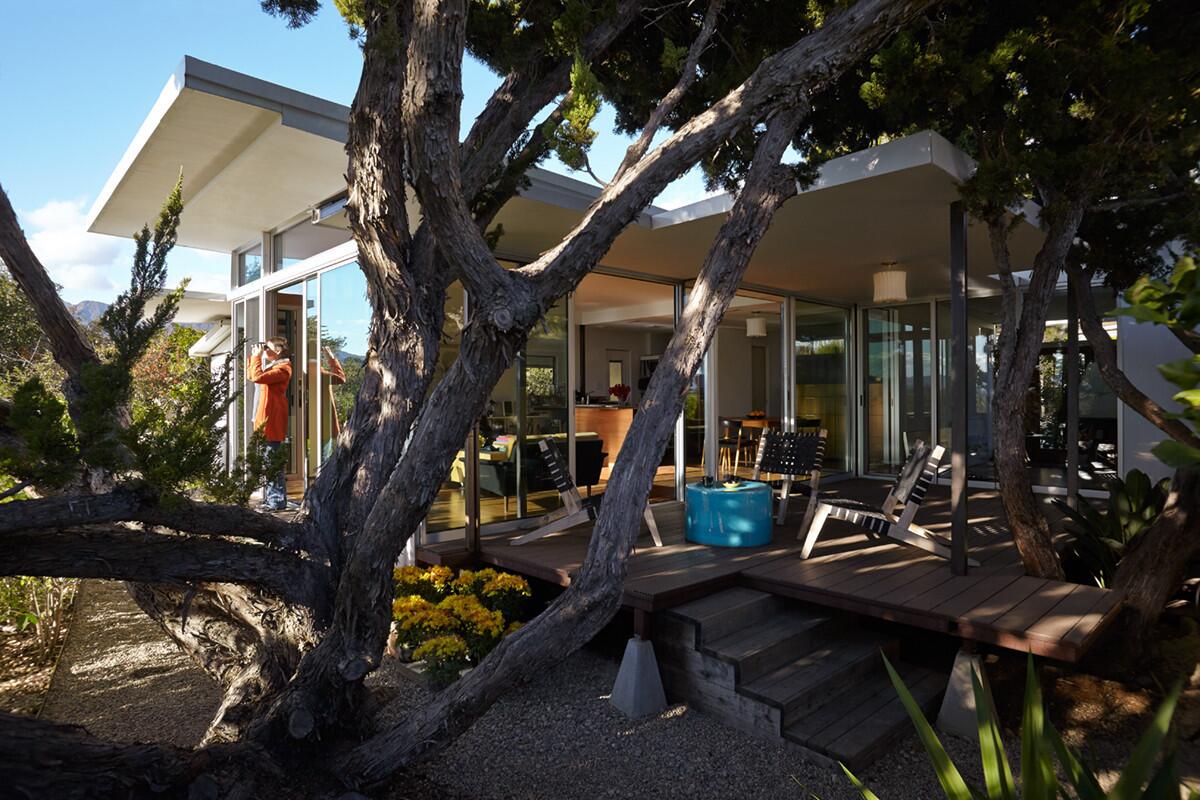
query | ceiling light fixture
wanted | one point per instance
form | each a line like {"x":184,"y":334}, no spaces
{"x":891,"y":284}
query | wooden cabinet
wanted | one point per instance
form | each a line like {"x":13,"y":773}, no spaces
{"x":610,"y":423}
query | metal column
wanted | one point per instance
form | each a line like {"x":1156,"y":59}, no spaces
{"x":1071,"y":368}
{"x":680,"y":423}
{"x":960,"y":388}
{"x":712,"y":420}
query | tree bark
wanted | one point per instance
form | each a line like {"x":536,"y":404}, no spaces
{"x":1017,"y":354}
{"x":44,"y":760}
{"x":594,"y":595}
{"x":1155,"y":566}
{"x":1106,"y":360}
{"x":126,"y":504}
{"x":131,"y":555}
{"x":71,"y":349}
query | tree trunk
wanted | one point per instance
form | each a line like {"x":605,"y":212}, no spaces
{"x":1155,"y":566}
{"x":594,"y":594}
{"x":1017,"y":356}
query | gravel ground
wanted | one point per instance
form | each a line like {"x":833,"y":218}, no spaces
{"x":555,"y":739}
{"x":560,"y":739}
{"x":122,"y":679}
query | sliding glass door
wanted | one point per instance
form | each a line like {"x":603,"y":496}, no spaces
{"x":897,"y":384}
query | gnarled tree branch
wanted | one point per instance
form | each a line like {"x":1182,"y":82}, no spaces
{"x":70,"y":347}
{"x":638,"y":149}
{"x":131,"y":555}
{"x":594,"y":595}
{"x":128,"y":505}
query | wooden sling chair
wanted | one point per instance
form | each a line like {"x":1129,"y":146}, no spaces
{"x":908,"y":492}
{"x":794,"y":457}
{"x":576,"y":510}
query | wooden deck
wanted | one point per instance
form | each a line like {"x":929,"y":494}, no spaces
{"x":996,"y":603}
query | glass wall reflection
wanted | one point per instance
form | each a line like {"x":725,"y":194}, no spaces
{"x":528,"y":403}
{"x":898,"y":383}
{"x":344,"y":324}
{"x":821,"y":373}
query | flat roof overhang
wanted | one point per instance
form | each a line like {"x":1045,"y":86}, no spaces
{"x":253,"y":154}
{"x":886,"y":203}
{"x":256,"y":154}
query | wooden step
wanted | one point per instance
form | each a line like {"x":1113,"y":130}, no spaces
{"x":823,"y":674}
{"x":764,"y":646}
{"x":863,"y":723}
{"x":726,"y":612}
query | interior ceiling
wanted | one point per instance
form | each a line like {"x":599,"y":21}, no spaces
{"x":824,"y":244}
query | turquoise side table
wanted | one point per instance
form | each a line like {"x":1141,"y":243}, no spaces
{"x":729,"y":517}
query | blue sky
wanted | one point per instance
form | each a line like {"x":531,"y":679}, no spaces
{"x":81,"y":84}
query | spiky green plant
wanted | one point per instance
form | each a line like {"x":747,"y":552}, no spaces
{"x":1101,"y":537}
{"x":1146,"y":776}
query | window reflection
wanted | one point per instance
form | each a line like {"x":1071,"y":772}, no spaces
{"x":345,"y":320}
{"x":250,"y":265}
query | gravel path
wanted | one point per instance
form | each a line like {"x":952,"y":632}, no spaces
{"x":121,"y":678}
{"x":555,"y":739}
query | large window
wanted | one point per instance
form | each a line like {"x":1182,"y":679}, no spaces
{"x":344,"y":321}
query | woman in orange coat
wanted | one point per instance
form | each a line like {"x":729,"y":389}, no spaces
{"x":271,"y":368}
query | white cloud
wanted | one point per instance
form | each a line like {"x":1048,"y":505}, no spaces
{"x":88,"y":266}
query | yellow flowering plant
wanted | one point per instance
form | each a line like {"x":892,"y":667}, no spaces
{"x":480,"y":627}
{"x":507,"y":593}
{"x":451,"y":621}
{"x":445,"y":657}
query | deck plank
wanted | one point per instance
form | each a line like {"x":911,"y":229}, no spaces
{"x":848,"y":570}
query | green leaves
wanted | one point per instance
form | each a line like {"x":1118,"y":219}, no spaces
{"x":1174,"y":303}
{"x":948,"y":775}
{"x":574,"y":135}
{"x":1150,"y":774}
{"x":50,"y":454}
{"x":1101,"y":538}
{"x":997,"y":774}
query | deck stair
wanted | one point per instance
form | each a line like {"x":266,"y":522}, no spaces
{"x":781,"y":669}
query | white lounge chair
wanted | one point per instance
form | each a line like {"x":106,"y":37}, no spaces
{"x":908,"y":492}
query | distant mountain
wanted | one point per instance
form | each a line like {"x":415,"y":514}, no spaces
{"x":87,"y":311}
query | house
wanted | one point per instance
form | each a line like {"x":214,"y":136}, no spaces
{"x":843,"y":318}
{"x":842,"y":323}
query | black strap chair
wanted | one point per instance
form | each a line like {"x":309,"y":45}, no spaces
{"x":576,"y":510}
{"x":794,"y":457}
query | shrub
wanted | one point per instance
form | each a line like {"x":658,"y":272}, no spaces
{"x":1102,"y":537}
{"x":38,"y":605}
{"x":1145,"y":776}
{"x":445,"y":657}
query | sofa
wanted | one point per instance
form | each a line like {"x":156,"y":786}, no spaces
{"x":498,"y":477}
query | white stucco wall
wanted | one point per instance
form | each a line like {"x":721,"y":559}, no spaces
{"x":1141,"y":348}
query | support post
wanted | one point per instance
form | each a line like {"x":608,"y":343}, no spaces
{"x":680,"y":423}
{"x":712,"y":418}
{"x":638,"y":690}
{"x":1071,"y":368}
{"x":960,"y":388}
{"x":471,"y":491}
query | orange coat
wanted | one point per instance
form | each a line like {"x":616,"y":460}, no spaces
{"x":271,"y":412}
